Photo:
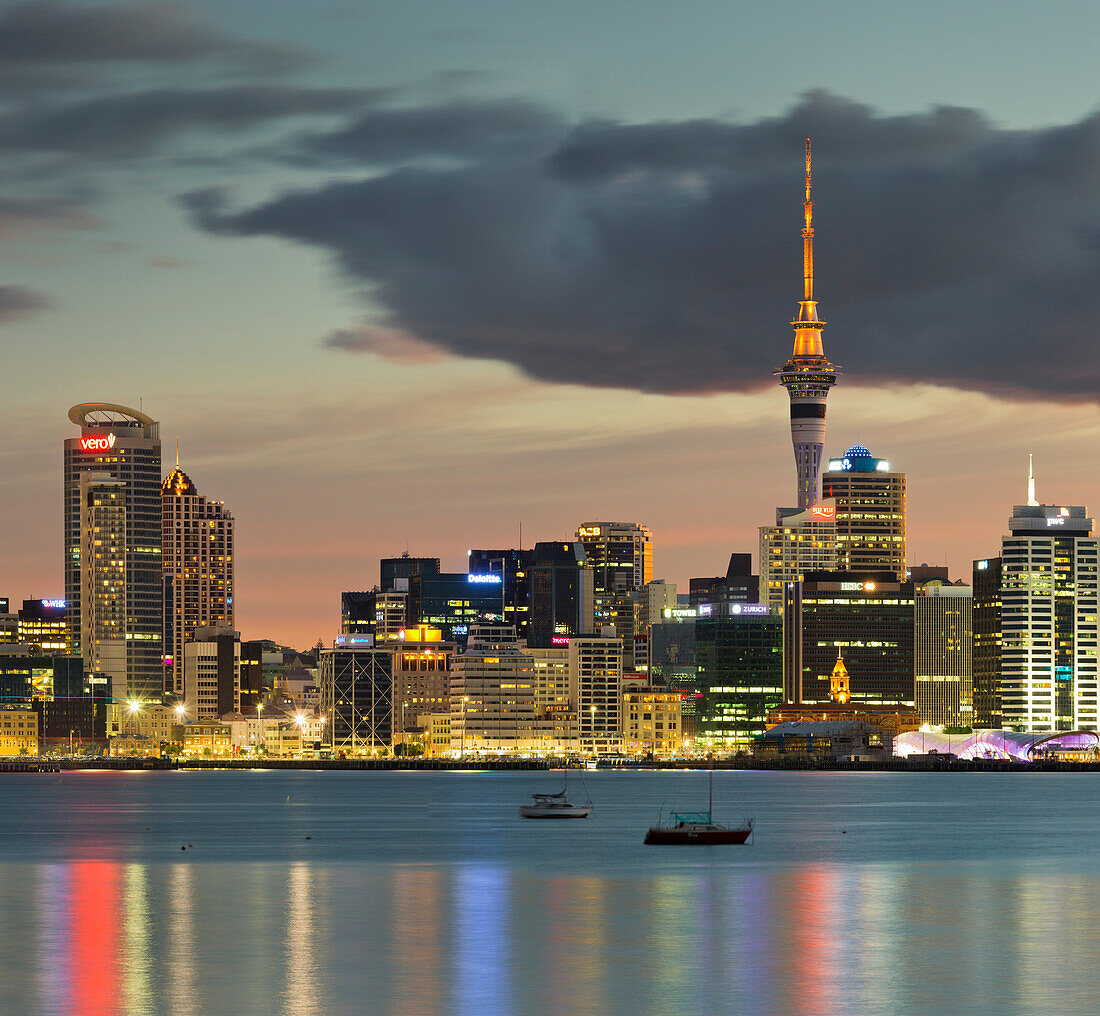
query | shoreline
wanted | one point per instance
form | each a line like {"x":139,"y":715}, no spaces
{"x":912,"y":764}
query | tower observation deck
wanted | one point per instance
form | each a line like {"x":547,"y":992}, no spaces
{"x":808,"y":375}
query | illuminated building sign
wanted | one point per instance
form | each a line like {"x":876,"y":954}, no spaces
{"x":1056,"y":522}
{"x":355,"y":640}
{"x":485,"y":580}
{"x":749,"y":609}
{"x":53,"y":604}
{"x":588,"y":531}
{"x":559,"y":640}
{"x":824,"y":512}
{"x":680,"y":612}
{"x":857,"y":587}
{"x":983,"y":565}
{"x":97,"y":444}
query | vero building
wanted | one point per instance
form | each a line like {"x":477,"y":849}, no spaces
{"x":113,"y":580}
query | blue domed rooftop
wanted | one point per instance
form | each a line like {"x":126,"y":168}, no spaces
{"x":857,"y":452}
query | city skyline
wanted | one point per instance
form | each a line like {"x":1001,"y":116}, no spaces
{"x":330,"y":421}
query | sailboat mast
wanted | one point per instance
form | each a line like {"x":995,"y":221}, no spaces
{"x":710,"y":797}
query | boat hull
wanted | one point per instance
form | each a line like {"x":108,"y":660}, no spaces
{"x":532,"y":811}
{"x":696,"y":837}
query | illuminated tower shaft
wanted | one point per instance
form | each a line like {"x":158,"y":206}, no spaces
{"x":808,"y":375}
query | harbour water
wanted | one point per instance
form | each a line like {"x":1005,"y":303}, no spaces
{"x":423,"y":893}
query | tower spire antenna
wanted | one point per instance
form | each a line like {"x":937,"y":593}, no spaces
{"x":808,"y":231}
{"x":808,"y":375}
{"x":1032,"y":503}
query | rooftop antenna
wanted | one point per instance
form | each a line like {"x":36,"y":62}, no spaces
{"x":177,"y":451}
{"x":1032,"y":503}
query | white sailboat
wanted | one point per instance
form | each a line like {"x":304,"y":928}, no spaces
{"x":557,"y":805}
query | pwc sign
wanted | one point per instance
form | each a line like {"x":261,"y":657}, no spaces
{"x":97,"y":444}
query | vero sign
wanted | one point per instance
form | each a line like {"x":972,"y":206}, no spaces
{"x":97,"y":444}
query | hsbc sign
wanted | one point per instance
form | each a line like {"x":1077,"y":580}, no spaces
{"x":97,"y":444}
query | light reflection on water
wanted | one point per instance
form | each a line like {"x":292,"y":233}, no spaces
{"x":425,"y":895}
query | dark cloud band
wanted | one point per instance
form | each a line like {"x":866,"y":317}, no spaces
{"x":666,"y":257}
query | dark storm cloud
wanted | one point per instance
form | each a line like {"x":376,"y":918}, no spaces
{"x":667,"y":256}
{"x":17,"y":302}
{"x":41,"y":33}
{"x":137,"y":122}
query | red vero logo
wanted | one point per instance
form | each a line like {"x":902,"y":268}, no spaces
{"x":97,"y":444}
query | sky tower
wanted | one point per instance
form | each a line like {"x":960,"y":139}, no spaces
{"x":808,"y":375}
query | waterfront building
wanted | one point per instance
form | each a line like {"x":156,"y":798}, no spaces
{"x":870,"y":503}
{"x":554,"y":705}
{"x":197,"y":556}
{"x":454,"y":601}
{"x":357,"y":612}
{"x":1013,"y":746}
{"x":824,"y":739}
{"x":799,"y":543}
{"x":942,"y":639}
{"x":390,"y":615}
{"x":621,"y":557}
{"x":252,"y":675}
{"x":596,"y":676}
{"x":113,"y":574}
{"x":561,"y":593}
{"x":396,"y":571}
{"x":1049,"y":618}
{"x":18,"y":730}
{"x":153,"y":721}
{"x":133,"y":746}
{"x":73,"y":707}
{"x":986,"y":647}
{"x":356,"y":696}
{"x":866,"y":616}
{"x":421,"y":680}
{"x":436,"y":734}
{"x":739,"y":665}
{"x":651,"y":721}
{"x":211,"y":672}
{"x":840,"y":707}
{"x":808,"y":376}
{"x":513,"y":566}
{"x":493,"y":696}
{"x":208,"y":737}
{"x":45,"y":624}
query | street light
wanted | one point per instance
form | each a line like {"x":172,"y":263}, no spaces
{"x":595,"y":751}
{"x":259,"y":725}
{"x":462,"y":751}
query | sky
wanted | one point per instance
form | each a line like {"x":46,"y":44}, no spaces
{"x":414,"y":274}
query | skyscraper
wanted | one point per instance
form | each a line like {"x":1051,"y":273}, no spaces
{"x":808,"y":375}
{"x":801,"y":543}
{"x":986,"y":652}
{"x":870,"y":513}
{"x":197,"y":556}
{"x":1049,"y":619}
{"x":865,"y":616}
{"x":112,"y":480}
{"x":942,"y":641}
{"x":621,"y":557}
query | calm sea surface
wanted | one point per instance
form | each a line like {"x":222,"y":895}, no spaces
{"x":421,"y":893}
